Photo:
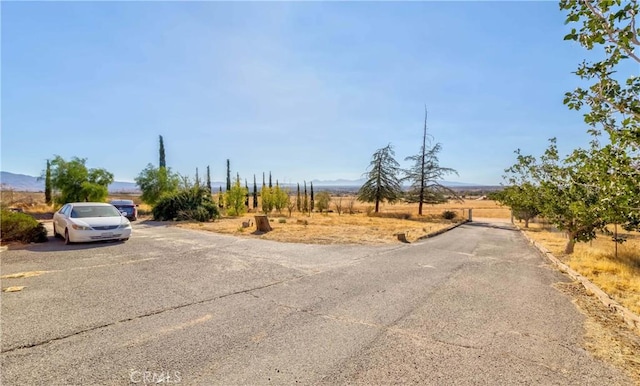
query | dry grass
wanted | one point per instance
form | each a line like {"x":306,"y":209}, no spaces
{"x":361,"y":227}
{"x":329,"y":228}
{"x":619,"y":277}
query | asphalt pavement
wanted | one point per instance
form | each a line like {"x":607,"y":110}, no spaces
{"x":475,"y":305}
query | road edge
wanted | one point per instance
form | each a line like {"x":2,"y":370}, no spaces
{"x":631,"y":319}
{"x":441,"y":231}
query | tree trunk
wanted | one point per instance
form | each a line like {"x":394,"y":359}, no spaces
{"x":377,"y":204}
{"x":568,"y":249}
{"x":526,"y":223}
{"x":262,"y":223}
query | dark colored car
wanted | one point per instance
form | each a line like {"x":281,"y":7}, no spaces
{"x":128,"y":207}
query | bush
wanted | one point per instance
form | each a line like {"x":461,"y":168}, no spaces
{"x":282,"y":220}
{"x":21,"y":227}
{"x":448,"y":215}
{"x":190,"y":204}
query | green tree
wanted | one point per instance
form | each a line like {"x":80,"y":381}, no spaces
{"x":255,"y":193}
{"x":267,"y":198}
{"x":565,"y":196}
{"x":162,"y":162}
{"x":524,"y":201}
{"x":280,"y":198}
{"x":305,"y":203}
{"x":322,"y":201}
{"x":155,"y":182}
{"x":235,"y":199}
{"x":228,"y":175}
{"x":382,"y":179}
{"x":220,"y":198}
{"x":311,"y":200}
{"x":77,"y":183}
{"x":209,"y":180}
{"x":426,"y":173}
{"x":298,"y":201}
{"x":246,"y":197}
{"x":47,"y":184}
{"x":610,"y":98}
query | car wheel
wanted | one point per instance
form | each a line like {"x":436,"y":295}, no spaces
{"x":67,"y":240}
{"x":123,"y":240}
{"x":55,"y":232}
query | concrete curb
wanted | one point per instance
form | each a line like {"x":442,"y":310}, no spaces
{"x":441,"y":231}
{"x":629,"y":317}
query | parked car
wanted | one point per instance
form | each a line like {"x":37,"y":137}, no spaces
{"x":126,"y":206}
{"x":90,"y":221}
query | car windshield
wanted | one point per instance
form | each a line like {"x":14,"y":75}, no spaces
{"x":94,"y":211}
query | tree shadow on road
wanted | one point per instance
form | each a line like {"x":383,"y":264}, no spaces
{"x":494,"y":225}
{"x":57,"y":245}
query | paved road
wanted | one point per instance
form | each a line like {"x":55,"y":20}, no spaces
{"x":473,"y":306}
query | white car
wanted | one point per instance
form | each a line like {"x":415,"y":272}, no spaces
{"x":90,"y":221}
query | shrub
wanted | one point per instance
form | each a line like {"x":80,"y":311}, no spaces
{"x":448,"y":215}
{"x":21,"y":227}
{"x":189,"y":204}
{"x":282,"y":220}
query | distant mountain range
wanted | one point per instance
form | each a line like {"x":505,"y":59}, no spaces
{"x":25,"y":183}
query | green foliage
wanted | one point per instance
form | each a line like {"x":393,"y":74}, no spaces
{"x":21,"y":227}
{"x":298,"y":199}
{"x":305,"y":202}
{"x":312,"y":200}
{"x":255,"y":193}
{"x":156,"y":182}
{"x":162,"y":160}
{"x":77,"y":183}
{"x":612,"y":164}
{"x":235,"y":199}
{"x":280,"y":198}
{"x":449,"y":215}
{"x":382,"y":179}
{"x":228,"y":175}
{"x":47,"y":184}
{"x":282,"y":220}
{"x":209,"y":180}
{"x":322,"y":201}
{"x":268,"y":199}
{"x":192,"y":204}
{"x":524,"y":201}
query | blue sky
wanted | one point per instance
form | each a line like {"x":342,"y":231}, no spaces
{"x":304,"y":90}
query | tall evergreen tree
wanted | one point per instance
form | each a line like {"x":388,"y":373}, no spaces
{"x":228,"y":175}
{"x":298,"y":202}
{"x":197,"y":184}
{"x":255,"y":192}
{"x":312,"y":203}
{"x":47,"y":184}
{"x":208,"y":179}
{"x":246,"y":198}
{"x":426,"y":173}
{"x":163,"y":161}
{"x":382,"y":179}
{"x":270,"y":184}
{"x":220,"y":199}
{"x":305,"y":203}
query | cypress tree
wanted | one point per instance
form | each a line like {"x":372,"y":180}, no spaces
{"x":228,"y":175}
{"x":163,"y":161}
{"x":298,"y":203}
{"x":197,"y":179}
{"x":305,"y":203}
{"x":311,"y":205}
{"x":208,"y":179}
{"x":246,"y":196}
{"x":220,"y":199}
{"x":47,"y":184}
{"x":255,"y":192}
{"x":270,"y":184}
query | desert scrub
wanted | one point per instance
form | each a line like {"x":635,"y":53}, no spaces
{"x":448,"y":215}
{"x":21,"y":227}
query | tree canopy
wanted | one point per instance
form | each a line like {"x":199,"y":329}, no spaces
{"x":75,"y":182}
{"x":382,"y":179}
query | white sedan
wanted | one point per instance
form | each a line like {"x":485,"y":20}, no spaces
{"x":90,"y":221}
